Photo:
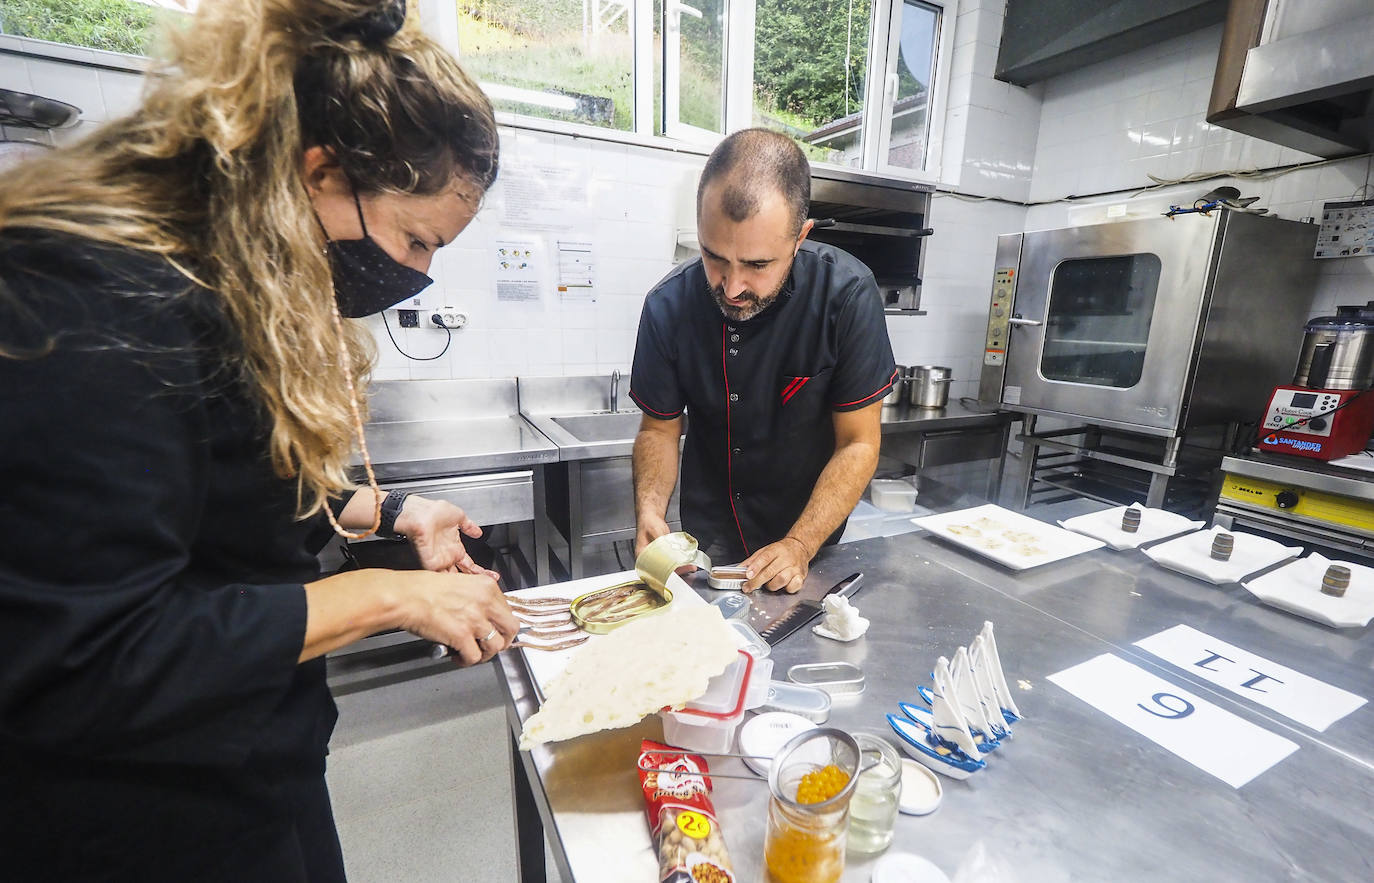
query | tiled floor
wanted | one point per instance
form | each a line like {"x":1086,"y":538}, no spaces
{"x":420,"y":779}
{"x":419,"y":769}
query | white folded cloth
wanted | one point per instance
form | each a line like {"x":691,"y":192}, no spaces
{"x":1296,"y":588}
{"x":1192,"y":554}
{"x":1155,"y":524}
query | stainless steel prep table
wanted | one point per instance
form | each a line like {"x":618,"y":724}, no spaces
{"x":956,"y":433}
{"x":1074,"y":795}
{"x":463,"y":441}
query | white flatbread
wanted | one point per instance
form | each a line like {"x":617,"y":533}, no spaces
{"x":616,"y":680}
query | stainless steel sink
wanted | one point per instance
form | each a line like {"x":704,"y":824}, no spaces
{"x":600,"y":427}
{"x":590,"y":492}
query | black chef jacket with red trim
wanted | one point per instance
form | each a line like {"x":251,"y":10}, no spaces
{"x":759,"y":395}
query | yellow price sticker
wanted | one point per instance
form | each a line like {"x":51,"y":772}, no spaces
{"x":694,"y":825}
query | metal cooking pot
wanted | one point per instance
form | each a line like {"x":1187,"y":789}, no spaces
{"x":898,"y":391}
{"x":928,"y":386}
{"x":1338,"y":351}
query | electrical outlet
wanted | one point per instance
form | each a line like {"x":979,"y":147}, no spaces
{"x":409,"y":318}
{"x":451,"y":318}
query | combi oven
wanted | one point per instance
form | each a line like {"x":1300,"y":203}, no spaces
{"x":1150,"y":325}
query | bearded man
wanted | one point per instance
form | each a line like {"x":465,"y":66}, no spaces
{"x":777,"y":351}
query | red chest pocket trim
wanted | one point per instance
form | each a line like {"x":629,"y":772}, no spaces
{"x":793,"y":388}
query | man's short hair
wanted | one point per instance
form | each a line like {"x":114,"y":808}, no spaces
{"x":754,"y":163}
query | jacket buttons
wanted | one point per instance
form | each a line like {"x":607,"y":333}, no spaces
{"x":733,"y":351}
{"x":734,"y":338}
{"x":739,"y":496}
{"x":734,"y":396}
{"x":736,"y":451}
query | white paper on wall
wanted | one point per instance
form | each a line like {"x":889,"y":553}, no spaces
{"x":516,"y":270}
{"x":576,"y":271}
{"x":1207,"y":736}
{"x":1291,"y":693}
{"x":1347,"y":230}
{"x":543,"y":196}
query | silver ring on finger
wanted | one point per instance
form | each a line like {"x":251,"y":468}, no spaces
{"x":487,"y":637}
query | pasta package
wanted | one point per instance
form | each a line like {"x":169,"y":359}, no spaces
{"x":682,"y":820}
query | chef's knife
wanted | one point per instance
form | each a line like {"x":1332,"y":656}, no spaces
{"x":805,"y":611}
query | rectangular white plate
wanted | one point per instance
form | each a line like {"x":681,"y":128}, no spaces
{"x":1155,"y":524}
{"x":1009,"y":538}
{"x":1296,"y":588}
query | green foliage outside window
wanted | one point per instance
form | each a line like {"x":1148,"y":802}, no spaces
{"x":799,"y":57}
{"x":114,"y":25}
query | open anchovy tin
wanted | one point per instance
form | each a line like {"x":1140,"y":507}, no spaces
{"x":606,"y":610}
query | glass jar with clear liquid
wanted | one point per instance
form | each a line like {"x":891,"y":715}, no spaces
{"x":873,"y":808}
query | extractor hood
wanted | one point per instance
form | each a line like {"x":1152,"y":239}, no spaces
{"x":1299,"y":73}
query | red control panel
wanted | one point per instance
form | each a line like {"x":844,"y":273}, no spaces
{"x":1320,"y":423}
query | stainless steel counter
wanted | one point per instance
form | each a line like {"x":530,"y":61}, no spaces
{"x":423,"y":449}
{"x":955,"y":415}
{"x":420,"y":429}
{"x":1074,"y":795}
{"x":464,"y":441}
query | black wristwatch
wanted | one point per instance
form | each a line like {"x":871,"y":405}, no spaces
{"x":391,"y":509}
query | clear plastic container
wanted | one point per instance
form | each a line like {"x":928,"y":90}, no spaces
{"x":811,"y":703}
{"x":751,"y":642}
{"x":708,"y":723}
{"x":892,"y":494}
{"x":835,"y":678}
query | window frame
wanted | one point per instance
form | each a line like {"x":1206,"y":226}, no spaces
{"x":440,"y":17}
{"x":881,"y":92}
{"x":440,"y":20}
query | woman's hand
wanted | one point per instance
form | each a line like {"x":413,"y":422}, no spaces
{"x":436,"y":528}
{"x":465,"y":612}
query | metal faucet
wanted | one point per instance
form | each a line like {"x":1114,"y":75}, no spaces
{"x":615,"y":391}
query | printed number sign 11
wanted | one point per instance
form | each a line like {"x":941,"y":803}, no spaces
{"x":1291,"y":693}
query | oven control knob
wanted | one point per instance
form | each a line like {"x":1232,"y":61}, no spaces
{"x":1286,"y":499}
{"x":1317,"y":423}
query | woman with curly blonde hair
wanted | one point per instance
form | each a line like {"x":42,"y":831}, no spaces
{"x":179,"y":405}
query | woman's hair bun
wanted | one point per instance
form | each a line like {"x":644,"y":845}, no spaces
{"x":379,"y":25}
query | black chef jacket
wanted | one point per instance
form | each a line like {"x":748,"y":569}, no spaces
{"x":152,"y":712}
{"x":759,"y":395}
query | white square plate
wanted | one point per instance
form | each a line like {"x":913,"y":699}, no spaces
{"x":1192,"y":554}
{"x":1155,"y":524}
{"x":1010,"y":538}
{"x":1296,"y":588}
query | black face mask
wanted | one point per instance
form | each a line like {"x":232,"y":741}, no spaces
{"x":367,"y":280}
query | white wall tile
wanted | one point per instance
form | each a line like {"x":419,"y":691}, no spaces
{"x":121,"y":92}
{"x":14,"y":73}
{"x":73,"y":84}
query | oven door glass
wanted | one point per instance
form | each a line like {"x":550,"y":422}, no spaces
{"x":1098,"y":321}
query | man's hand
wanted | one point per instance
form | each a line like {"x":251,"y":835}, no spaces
{"x":780,"y":565}
{"x":650,"y":529}
{"x":436,"y":528}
